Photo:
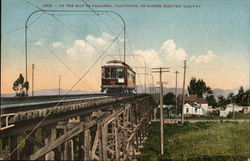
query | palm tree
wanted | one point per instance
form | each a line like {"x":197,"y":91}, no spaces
{"x":199,"y":88}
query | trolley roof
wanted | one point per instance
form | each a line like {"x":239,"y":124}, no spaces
{"x":117,"y":63}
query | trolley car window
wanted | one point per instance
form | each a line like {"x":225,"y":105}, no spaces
{"x":107,"y":72}
{"x":119,"y":73}
{"x":113,"y":72}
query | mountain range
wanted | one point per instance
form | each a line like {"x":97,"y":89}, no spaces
{"x":217,"y":91}
{"x":44,"y":92}
{"x":140,"y":89}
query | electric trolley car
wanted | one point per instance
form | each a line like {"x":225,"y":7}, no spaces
{"x":118,"y":78}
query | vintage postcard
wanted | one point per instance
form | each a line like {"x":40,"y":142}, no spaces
{"x":125,"y":80}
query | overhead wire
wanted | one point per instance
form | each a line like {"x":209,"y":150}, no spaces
{"x":103,"y":23}
{"x":19,"y":28}
{"x":60,"y":21}
{"x":35,"y":19}
{"x":57,"y":19}
{"x":52,"y":52}
{"x":104,"y":52}
{"x":48,"y":44}
{"x":16,"y":29}
{"x":134,"y":58}
{"x":25,"y":138}
{"x":110,"y":15}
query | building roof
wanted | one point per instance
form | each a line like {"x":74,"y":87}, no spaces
{"x":192,"y":100}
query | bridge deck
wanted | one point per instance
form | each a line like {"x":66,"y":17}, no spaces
{"x":32,"y":113}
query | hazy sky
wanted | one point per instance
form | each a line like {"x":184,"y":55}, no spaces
{"x":213,"y":37}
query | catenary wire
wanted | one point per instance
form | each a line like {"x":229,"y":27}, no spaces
{"x":47,"y":47}
{"x":104,"y":52}
{"x":131,"y":49}
{"x":98,"y":14}
{"x":102,"y":22}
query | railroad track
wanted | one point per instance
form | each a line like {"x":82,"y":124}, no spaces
{"x":19,"y":104}
{"x":26,"y":113}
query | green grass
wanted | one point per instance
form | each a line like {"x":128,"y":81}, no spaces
{"x":199,"y":141}
{"x":206,"y":118}
{"x":238,"y":116}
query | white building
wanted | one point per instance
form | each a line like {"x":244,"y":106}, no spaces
{"x":235,"y":108}
{"x":194,"y":106}
{"x":195,"y":109}
{"x":230,"y":108}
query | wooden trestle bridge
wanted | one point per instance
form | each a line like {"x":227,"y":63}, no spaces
{"x":94,"y":128}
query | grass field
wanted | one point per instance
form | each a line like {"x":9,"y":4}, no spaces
{"x":199,"y":141}
{"x":238,"y":116}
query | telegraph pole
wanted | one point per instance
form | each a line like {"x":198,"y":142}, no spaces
{"x":161,"y":70}
{"x":59,"y":89}
{"x":33,"y":66}
{"x":183,"y":97}
{"x":176,"y":72}
{"x":145,"y":79}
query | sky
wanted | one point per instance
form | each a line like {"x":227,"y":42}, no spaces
{"x":212,"y":36}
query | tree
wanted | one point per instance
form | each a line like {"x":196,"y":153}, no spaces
{"x":239,"y":96}
{"x":19,"y":85}
{"x":199,"y":88}
{"x":169,"y":99}
{"x":222,"y":102}
{"x":246,"y":98}
{"x":211,"y":101}
{"x":231,"y":98}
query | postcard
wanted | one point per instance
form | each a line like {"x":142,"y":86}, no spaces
{"x":190,"y":56}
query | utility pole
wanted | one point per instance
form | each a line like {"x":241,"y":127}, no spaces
{"x":183,"y":97}
{"x":59,"y":89}
{"x":33,"y":66}
{"x":161,"y":70}
{"x":176,"y":72}
{"x":233,"y":108}
{"x":145,"y":79}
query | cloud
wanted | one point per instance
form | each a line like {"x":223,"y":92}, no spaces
{"x":90,"y":45}
{"x":169,"y":50}
{"x":80,"y":47}
{"x":166,"y":53}
{"x":38,"y":43}
{"x":151,"y":56}
{"x":206,"y":58}
{"x":56,"y":44}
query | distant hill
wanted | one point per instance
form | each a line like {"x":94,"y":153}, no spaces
{"x":217,"y":91}
{"x":140,"y":89}
{"x":224,"y":92}
{"x":44,"y":92}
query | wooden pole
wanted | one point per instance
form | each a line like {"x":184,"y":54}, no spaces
{"x":161,"y":110}
{"x":59,"y":89}
{"x":161,"y":70}
{"x":176,"y":72}
{"x":33,"y":66}
{"x":183,"y":96}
